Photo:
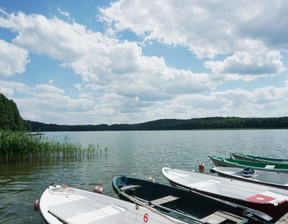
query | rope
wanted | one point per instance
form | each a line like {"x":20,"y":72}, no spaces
{"x":110,"y":178}
{"x":156,"y":175}
{"x":69,"y":191}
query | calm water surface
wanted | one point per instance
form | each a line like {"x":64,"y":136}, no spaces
{"x":136,"y":153}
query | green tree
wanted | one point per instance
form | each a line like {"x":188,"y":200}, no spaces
{"x":10,"y":118}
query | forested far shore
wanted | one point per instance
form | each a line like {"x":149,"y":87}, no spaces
{"x":10,"y":119}
{"x":173,"y":124}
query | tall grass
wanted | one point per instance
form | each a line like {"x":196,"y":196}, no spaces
{"x":16,"y":146}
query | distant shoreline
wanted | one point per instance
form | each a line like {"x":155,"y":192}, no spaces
{"x":209,"y":123}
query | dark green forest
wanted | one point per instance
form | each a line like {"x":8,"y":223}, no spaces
{"x":175,"y":124}
{"x":10,"y":119}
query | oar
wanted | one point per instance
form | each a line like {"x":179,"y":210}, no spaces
{"x":146,"y":204}
{"x":252,"y":211}
{"x":138,"y":202}
{"x":170,"y":210}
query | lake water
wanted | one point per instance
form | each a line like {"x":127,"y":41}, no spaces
{"x":137,"y":153}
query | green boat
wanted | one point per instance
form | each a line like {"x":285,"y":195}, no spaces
{"x":266,"y":166}
{"x":240,"y":156}
{"x":183,"y":204}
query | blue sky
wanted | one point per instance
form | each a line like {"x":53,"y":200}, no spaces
{"x":131,"y":61}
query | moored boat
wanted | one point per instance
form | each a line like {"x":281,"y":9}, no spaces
{"x":185,"y":205}
{"x":270,"y":200}
{"x":241,"y":156}
{"x":273,"y":179}
{"x":63,"y":204}
{"x":268,"y":166}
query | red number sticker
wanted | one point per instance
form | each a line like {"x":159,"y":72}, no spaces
{"x":145,"y":218}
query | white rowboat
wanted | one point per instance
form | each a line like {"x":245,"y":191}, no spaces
{"x":274,"y":179}
{"x":63,"y":204}
{"x":270,"y":200}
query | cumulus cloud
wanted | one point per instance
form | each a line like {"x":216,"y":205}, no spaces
{"x":118,"y":78}
{"x":8,"y":92}
{"x":236,"y":102}
{"x":11,"y":87}
{"x":49,"y":88}
{"x":120,"y":66}
{"x":225,"y":26}
{"x":64,"y":13}
{"x":47,"y":102}
{"x":211,"y":28}
{"x":13,"y":59}
{"x":244,"y":63}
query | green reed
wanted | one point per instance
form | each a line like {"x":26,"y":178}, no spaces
{"x":16,"y":146}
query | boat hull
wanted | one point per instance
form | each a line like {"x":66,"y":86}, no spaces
{"x":239,"y":156}
{"x":234,"y":192}
{"x":272,"y":167}
{"x":63,"y":204}
{"x":273,"y":179}
{"x":192,"y":203}
{"x":274,"y":211}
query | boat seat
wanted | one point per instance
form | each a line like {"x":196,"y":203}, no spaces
{"x":268,"y":197}
{"x":209,"y":185}
{"x":164,"y":200}
{"x":129,"y":187}
{"x":104,"y":214}
{"x":220,"y":216}
{"x":269,"y":167}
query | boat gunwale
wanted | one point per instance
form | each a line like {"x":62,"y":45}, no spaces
{"x":238,"y":177}
{"x":188,"y":191}
{"x":240,"y":156}
{"x":267,"y":208}
{"x":105,"y":201}
{"x":220,"y":161}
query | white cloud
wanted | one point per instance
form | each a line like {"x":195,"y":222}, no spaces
{"x":253,"y":64}
{"x":13,"y":59}
{"x":12,"y":87}
{"x":8,"y":92}
{"x":49,"y":88}
{"x":119,"y":66}
{"x":271,"y":94}
{"x":206,"y":27}
{"x":47,"y":103}
{"x":236,"y":102}
{"x":253,"y":32}
{"x":64,"y":13}
{"x":119,"y":79}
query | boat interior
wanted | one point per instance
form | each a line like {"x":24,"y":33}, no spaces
{"x":273,"y":177}
{"x":81,"y":211}
{"x":230,"y":187}
{"x":181,"y":204}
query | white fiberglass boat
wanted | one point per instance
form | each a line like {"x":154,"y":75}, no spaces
{"x":270,"y":200}
{"x":273,"y":179}
{"x":63,"y":204}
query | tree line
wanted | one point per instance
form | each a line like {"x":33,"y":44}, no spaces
{"x":10,"y":119}
{"x":174,"y":124}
